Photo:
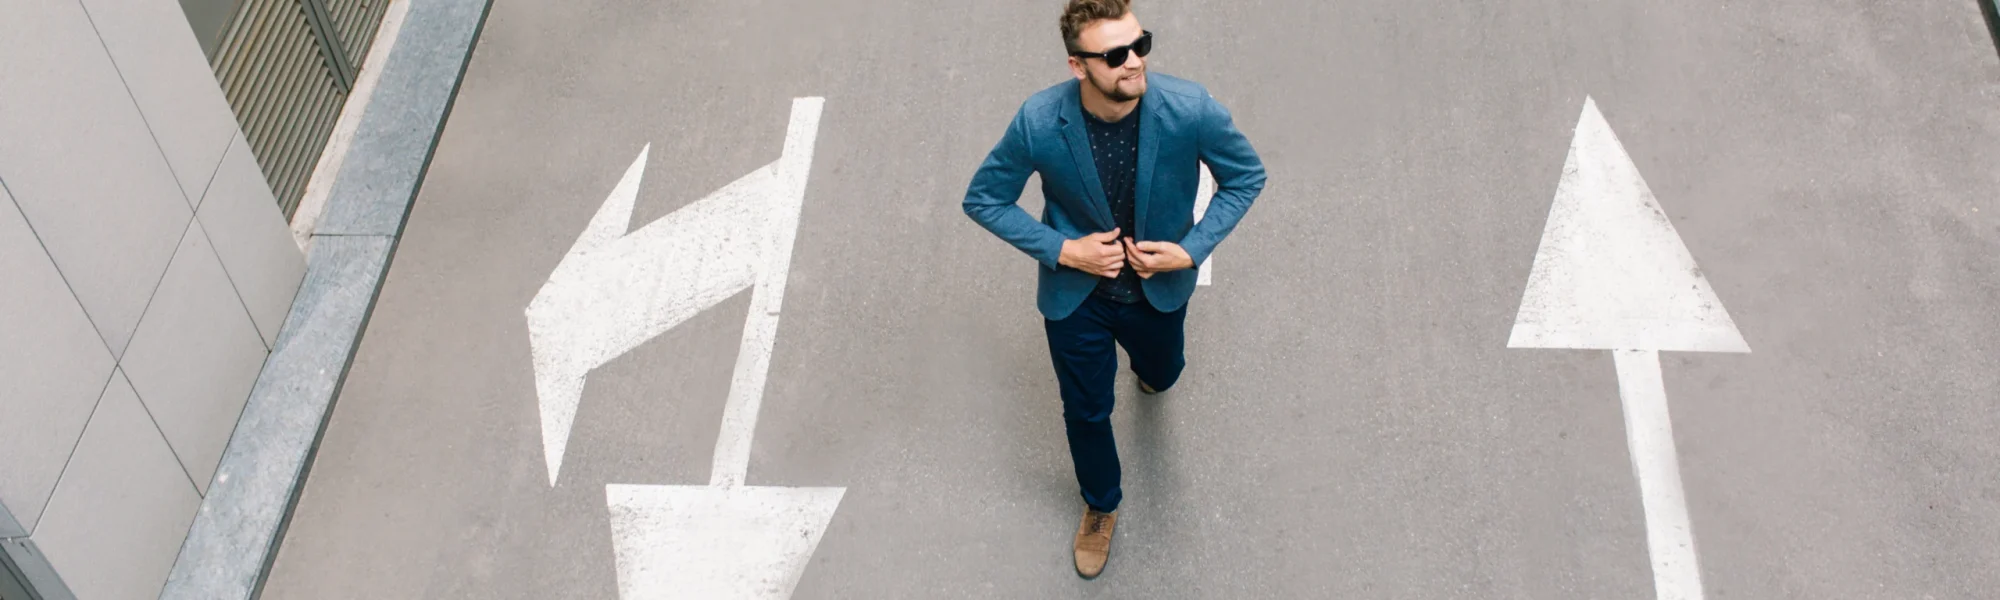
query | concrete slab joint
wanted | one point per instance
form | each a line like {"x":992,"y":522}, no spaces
{"x":240,"y":524}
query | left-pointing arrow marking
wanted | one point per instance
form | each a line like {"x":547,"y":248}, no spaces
{"x":1612,"y":274}
{"x":614,"y":291}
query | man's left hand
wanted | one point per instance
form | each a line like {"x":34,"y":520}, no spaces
{"x":1147,"y":258}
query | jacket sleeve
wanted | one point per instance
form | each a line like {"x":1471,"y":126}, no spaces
{"x":993,"y":197}
{"x":1239,"y":178}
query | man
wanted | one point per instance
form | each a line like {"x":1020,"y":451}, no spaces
{"x":1119,"y":152}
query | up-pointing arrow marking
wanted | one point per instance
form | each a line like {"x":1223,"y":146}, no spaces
{"x":1612,"y":273}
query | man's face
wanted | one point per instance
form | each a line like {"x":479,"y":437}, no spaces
{"x":1124,"y":82}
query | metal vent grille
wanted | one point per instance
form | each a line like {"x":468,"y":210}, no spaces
{"x":286,"y":67}
{"x":355,"y":22}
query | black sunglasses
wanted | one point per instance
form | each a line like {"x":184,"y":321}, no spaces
{"x":1116,"y":56}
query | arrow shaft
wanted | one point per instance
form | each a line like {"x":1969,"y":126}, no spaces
{"x":639,"y":288}
{"x":760,"y":328}
{"x":614,"y":291}
{"x":1649,"y":434}
{"x":604,"y":300}
{"x":746,"y":397}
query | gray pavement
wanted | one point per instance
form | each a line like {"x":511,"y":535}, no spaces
{"x":1351,"y":425}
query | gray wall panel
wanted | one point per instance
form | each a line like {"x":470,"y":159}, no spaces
{"x":52,"y":368}
{"x":119,"y":516}
{"x":170,"y":79}
{"x":251,"y":236}
{"x":195,"y":356}
{"x":82,"y":165}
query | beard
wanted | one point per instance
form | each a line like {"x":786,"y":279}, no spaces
{"x":1111,"y":90}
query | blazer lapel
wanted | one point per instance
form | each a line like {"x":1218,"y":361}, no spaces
{"x":1149,"y":152}
{"x":1086,"y":164}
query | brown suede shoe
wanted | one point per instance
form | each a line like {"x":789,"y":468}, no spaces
{"x":1093,"y":541}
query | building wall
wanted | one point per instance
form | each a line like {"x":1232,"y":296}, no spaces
{"x":144,"y":271}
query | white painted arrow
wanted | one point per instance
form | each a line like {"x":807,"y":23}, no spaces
{"x":703,"y":542}
{"x":614,"y":291}
{"x":1612,"y":273}
{"x":1203,"y":192}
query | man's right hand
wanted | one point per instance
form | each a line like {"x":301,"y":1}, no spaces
{"x":1098,"y":253}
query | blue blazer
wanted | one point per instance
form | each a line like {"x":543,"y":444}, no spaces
{"x":1180,"y":124}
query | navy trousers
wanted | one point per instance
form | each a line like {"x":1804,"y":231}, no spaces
{"x":1086,"y":364}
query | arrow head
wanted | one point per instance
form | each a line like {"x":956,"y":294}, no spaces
{"x":1611,"y":272}
{"x":715,"y":542}
{"x":559,"y":371}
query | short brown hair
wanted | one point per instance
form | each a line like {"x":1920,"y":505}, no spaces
{"x":1080,"y":13}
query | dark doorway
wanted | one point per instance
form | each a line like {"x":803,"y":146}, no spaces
{"x":1992,"y":13}
{"x":210,"y":20}
{"x":11,"y":585}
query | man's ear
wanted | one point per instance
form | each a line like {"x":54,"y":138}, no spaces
{"x":1076,"y":67}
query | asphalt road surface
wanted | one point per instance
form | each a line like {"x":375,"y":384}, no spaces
{"x":1352,"y":423}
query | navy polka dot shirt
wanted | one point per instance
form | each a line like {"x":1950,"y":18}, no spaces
{"x":1115,"y":147}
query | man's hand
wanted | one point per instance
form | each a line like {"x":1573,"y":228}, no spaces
{"x":1148,"y":258}
{"x":1097,"y":253}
